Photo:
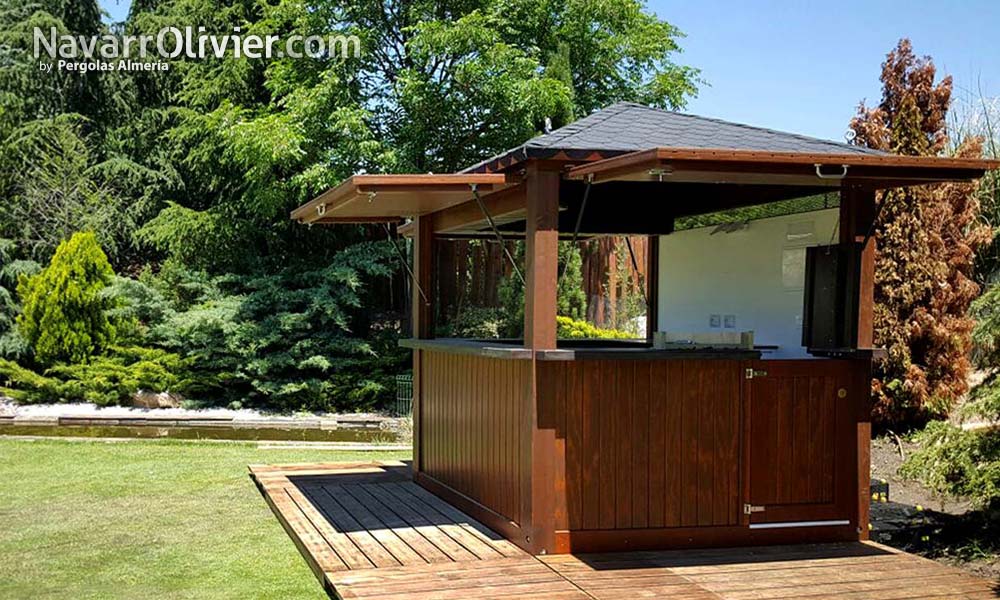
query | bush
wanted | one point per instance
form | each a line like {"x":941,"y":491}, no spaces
{"x":476,"y":322}
{"x":64,"y":316}
{"x":573,"y":329}
{"x":290,"y":341}
{"x":104,"y":380}
{"x":955,"y":461}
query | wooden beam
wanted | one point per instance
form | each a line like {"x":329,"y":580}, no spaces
{"x":500,"y":204}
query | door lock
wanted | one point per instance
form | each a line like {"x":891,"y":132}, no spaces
{"x":750,"y":509}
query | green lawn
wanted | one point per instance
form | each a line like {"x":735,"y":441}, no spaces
{"x":150,"y":519}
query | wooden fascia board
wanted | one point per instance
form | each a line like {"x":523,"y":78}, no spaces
{"x":676,"y":160}
{"x":359,"y":186}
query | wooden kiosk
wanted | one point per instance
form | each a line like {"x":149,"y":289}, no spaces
{"x":565,"y":447}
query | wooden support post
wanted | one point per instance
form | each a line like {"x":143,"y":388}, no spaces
{"x":541,"y":251}
{"x":857,"y":212}
{"x":541,"y":258}
{"x":652,"y":286}
{"x":421,"y":320}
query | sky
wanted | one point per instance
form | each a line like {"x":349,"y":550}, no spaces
{"x":787,"y":65}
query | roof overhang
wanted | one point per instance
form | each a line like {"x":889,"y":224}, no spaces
{"x":390,"y":198}
{"x":696,"y":165}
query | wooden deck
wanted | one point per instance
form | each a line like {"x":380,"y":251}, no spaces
{"x":369,"y":533}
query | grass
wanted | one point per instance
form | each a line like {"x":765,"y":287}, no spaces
{"x":146,"y":519}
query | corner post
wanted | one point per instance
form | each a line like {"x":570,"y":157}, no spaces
{"x":421,"y":320}
{"x":541,"y":257}
{"x":857,"y":213}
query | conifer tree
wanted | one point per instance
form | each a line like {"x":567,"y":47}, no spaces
{"x":64,"y":316}
{"x":927,"y":238}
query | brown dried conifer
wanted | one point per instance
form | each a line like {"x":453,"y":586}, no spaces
{"x":927,"y":239}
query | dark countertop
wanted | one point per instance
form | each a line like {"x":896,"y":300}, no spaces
{"x":576,"y":350}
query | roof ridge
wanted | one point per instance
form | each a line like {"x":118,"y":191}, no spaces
{"x":596,"y":117}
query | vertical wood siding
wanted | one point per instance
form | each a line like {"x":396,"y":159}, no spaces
{"x":471,"y":435}
{"x":648,"y":444}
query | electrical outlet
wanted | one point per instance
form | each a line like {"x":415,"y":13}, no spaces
{"x":729,"y":321}
{"x":715,"y":321}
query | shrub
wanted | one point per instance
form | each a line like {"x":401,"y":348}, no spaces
{"x":26,"y":386}
{"x":573,"y":329}
{"x":289,"y":341}
{"x":476,"y":322}
{"x":12,"y":343}
{"x":955,"y":461}
{"x":64,"y":316}
{"x":104,"y":380}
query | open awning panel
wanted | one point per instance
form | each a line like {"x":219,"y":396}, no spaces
{"x":388,"y":198}
{"x":695,"y":165}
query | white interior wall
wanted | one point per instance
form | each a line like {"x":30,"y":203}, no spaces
{"x":754,"y":276}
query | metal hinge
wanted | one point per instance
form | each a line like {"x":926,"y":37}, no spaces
{"x":751,"y":373}
{"x":749,"y":509}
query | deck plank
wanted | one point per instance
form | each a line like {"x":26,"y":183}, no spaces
{"x":457,"y":529}
{"x":345,"y":522}
{"x":352,"y":556}
{"x":421,"y":545}
{"x":454,"y":550}
{"x":369,"y":533}
{"x":475,"y":528}
{"x":384,"y":534}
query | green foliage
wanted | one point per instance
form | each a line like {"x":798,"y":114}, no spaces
{"x":570,"y":299}
{"x":760,"y":211}
{"x":958,"y":462}
{"x":64,"y":310}
{"x":568,"y":328}
{"x":186,"y":177}
{"x":104,"y":380}
{"x":12,"y":344}
{"x":287,"y":341}
{"x":478,"y":323}
{"x":985,"y":398}
{"x":952,"y":460}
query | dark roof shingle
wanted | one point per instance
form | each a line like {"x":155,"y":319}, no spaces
{"x":629,"y":127}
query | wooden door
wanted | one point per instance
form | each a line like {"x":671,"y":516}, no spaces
{"x":799,"y":419}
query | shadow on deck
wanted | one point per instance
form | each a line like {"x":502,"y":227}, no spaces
{"x":368,"y":532}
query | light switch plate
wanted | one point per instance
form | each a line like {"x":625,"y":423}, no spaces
{"x":729,"y":321}
{"x":715,"y":321}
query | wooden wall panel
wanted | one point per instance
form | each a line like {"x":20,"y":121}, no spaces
{"x":648,"y":444}
{"x":470,"y":426}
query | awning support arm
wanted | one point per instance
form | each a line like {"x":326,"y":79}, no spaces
{"x":406,"y":263}
{"x":583,"y":207}
{"x":871,"y":228}
{"x":635,"y":267}
{"x":579,"y":220}
{"x":496,"y":232}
